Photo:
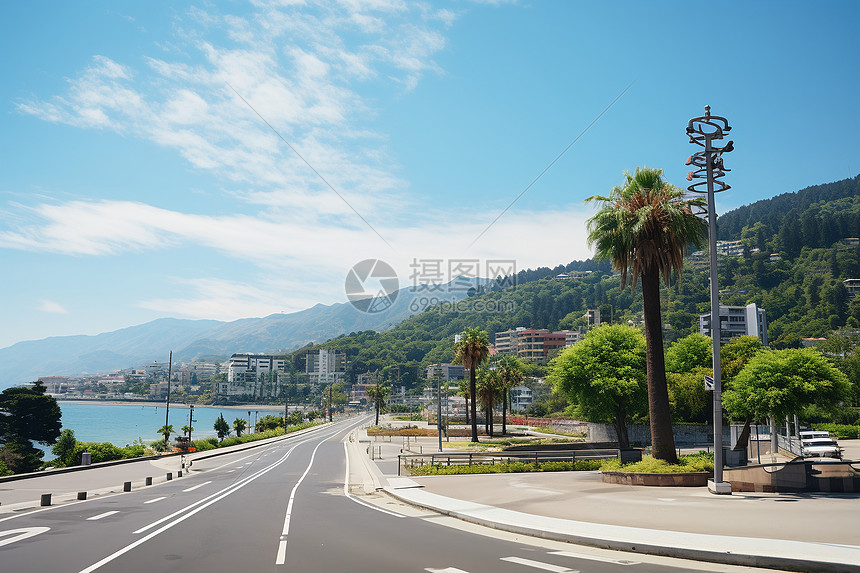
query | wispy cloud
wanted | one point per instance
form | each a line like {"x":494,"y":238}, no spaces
{"x":52,"y":307}
{"x":300,"y":67}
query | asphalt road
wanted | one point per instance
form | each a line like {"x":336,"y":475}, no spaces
{"x":282,"y":507}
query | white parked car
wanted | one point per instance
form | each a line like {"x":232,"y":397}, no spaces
{"x":818,"y":444}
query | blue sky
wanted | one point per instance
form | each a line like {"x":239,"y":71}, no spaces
{"x":137,"y":184}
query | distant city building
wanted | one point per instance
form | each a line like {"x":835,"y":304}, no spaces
{"x":592,"y":317}
{"x":852,"y":286}
{"x":534,"y":345}
{"x":730,"y":248}
{"x":521,"y":398}
{"x":258,"y":375}
{"x":447,"y":371}
{"x":55,"y":384}
{"x":737,"y":321}
{"x":324,"y":366}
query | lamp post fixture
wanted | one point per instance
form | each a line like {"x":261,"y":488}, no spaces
{"x":703,"y":131}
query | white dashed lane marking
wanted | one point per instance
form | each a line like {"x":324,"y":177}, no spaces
{"x":101,"y":515}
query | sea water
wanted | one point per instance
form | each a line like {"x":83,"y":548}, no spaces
{"x":125,"y":424}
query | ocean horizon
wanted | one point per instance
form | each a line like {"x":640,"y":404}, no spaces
{"x":125,"y":424}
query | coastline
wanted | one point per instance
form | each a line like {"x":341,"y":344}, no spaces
{"x":178,"y":405}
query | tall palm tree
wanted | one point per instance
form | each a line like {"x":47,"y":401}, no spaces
{"x":511,"y":374}
{"x":644,"y":227}
{"x":472,"y":349}
{"x":488,"y":386}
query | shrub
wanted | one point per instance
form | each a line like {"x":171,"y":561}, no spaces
{"x":205,"y":444}
{"x":511,"y":467}
{"x":700,"y":462}
{"x":841,"y":431}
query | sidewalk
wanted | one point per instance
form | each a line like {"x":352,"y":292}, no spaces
{"x":802,"y":532}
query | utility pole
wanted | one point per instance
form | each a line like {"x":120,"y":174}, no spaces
{"x":167,"y":411}
{"x":330,"y":404}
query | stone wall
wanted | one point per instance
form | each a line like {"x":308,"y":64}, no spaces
{"x":640,"y":434}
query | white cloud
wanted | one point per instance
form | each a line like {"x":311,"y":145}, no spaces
{"x":52,"y":307}
{"x":295,"y":65}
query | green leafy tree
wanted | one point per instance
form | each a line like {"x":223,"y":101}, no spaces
{"x":734,"y":356}
{"x":472,"y":349}
{"x":644,"y":228}
{"x":687,"y":395}
{"x":221,"y":427}
{"x":780,"y":383}
{"x":239,"y":426}
{"x":270,"y":422}
{"x":736,"y":353}
{"x":604,"y":375}
{"x":64,"y":449}
{"x":27,"y":415}
{"x":692,"y":351}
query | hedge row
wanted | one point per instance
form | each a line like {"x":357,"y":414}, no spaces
{"x":512,"y":467}
{"x":841,"y":431}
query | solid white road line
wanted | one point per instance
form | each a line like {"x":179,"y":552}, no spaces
{"x":13,"y":535}
{"x":281,"y":557}
{"x":155,"y":500}
{"x":192,"y":488}
{"x":101,"y":515}
{"x":594,"y":557}
{"x":539,"y":565}
{"x":214,"y":498}
{"x":446,"y":570}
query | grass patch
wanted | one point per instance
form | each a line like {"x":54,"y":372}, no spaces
{"x":700,"y":462}
{"x":511,"y":467}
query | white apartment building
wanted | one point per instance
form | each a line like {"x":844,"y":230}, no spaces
{"x":521,"y":398}
{"x":324,"y":366}
{"x":749,"y":320}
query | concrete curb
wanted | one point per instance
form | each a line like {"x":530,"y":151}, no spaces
{"x":751,"y":552}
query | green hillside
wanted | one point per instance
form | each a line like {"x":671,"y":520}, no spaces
{"x":800,"y":287}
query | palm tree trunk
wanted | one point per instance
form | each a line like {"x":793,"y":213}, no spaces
{"x":504,"y":412}
{"x":490,"y":418}
{"x":473,"y":392}
{"x":467,"y":409}
{"x":662,"y":439}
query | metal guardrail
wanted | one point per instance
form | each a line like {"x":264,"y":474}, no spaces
{"x":789,"y":444}
{"x":492,"y":458}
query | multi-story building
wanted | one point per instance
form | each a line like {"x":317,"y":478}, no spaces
{"x":852,"y":286}
{"x":55,"y":384}
{"x":737,"y":321}
{"x":534,"y":345}
{"x":506,"y":341}
{"x":256,"y":374}
{"x":521,"y":398}
{"x":324,"y":366}
{"x":447,"y":371}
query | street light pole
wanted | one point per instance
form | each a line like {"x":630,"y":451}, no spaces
{"x":703,"y":131}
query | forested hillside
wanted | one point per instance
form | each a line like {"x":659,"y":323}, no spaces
{"x":796,"y":259}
